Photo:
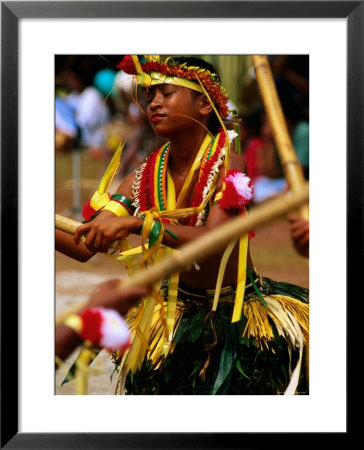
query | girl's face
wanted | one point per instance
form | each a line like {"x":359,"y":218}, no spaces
{"x":167,"y":107}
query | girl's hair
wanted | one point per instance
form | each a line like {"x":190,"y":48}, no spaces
{"x":193,"y":61}
{"x":214,"y":123}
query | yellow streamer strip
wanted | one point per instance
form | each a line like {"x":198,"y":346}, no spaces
{"x":82,"y":370}
{"x":171,"y":194}
{"x":150,"y":217}
{"x":137,"y":351}
{"x":220,"y":276}
{"x":132,"y":262}
{"x":131,"y":252}
{"x":137,"y":64}
{"x":100,"y":197}
{"x":171,"y":309}
{"x":240,"y":289}
{"x":174,"y":279}
{"x":196,"y":165}
{"x":111,"y":169}
{"x":227,"y":156}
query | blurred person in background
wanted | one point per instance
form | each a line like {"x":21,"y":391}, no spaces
{"x":291,"y":76}
{"x":263,"y":165}
{"x":300,"y":234}
{"x":65,"y":124}
{"x":85,"y":104}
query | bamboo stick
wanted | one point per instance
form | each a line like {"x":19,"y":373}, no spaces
{"x":66,"y":224}
{"x":204,"y":246}
{"x":291,"y":166}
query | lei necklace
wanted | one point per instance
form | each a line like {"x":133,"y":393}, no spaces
{"x":150,"y":184}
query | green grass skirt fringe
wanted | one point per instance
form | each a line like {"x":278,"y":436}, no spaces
{"x":235,"y":365}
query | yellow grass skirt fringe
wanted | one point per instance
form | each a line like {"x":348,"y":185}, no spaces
{"x":285,"y":317}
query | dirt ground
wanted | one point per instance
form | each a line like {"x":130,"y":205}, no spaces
{"x":271,"y":250}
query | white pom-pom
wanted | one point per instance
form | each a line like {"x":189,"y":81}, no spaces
{"x":241,"y":183}
{"x":114,"y":330}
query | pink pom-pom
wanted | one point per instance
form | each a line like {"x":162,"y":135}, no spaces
{"x":105,"y":328}
{"x":237,"y":192}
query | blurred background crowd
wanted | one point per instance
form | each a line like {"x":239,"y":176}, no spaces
{"x":95,"y":109}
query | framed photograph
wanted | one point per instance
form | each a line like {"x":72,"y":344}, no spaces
{"x":32,"y":33}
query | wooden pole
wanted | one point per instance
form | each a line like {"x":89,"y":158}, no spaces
{"x":66,"y":224}
{"x":206,"y":245}
{"x":291,"y":166}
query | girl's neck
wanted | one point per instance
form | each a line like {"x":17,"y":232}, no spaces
{"x":184,"y":149}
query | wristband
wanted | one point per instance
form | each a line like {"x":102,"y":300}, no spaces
{"x":125,"y":201}
{"x":94,"y":205}
{"x":120,"y":205}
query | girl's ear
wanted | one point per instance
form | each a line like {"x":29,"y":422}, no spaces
{"x":205,"y":106}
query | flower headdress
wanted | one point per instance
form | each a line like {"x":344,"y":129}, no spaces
{"x":150,"y":70}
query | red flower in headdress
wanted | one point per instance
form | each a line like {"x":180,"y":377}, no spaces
{"x":127,"y":65}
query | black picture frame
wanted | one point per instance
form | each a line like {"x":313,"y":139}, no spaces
{"x":11,"y":12}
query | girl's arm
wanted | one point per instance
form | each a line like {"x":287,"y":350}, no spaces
{"x":66,"y":244}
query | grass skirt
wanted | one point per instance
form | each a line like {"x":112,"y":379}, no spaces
{"x":211,"y":355}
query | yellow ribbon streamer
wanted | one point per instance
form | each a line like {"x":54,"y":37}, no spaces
{"x":240,"y":289}
{"x":220,"y":276}
{"x":137,"y":351}
{"x":131,"y":261}
{"x":174,"y":279}
{"x":195,"y":166}
{"x":82,"y":370}
{"x":150,"y":217}
{"x":100,"y":197}
{"x":171,"y":309}
{"x":227,"y":156}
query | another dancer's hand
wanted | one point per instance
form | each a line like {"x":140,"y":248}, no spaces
{"x":300,"y":234}
{"x":100,"y":234}
{"x":110,"y":295}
